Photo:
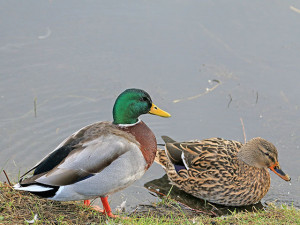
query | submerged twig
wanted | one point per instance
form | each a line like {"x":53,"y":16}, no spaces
{"x":199,"y":95}
{"x":295,"y":9}
{"x":256,"y":97}
{"x":7,"y":177}
{"x":245,"y":139}
{"x":230,"y":100}
{"x":34,"y":106}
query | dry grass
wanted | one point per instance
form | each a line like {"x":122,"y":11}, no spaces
{"x":18,"y":207}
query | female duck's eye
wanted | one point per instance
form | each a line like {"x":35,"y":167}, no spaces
{"x":266,"y":153}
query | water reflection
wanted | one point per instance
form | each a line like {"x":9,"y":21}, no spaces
{"x":162,"y":187}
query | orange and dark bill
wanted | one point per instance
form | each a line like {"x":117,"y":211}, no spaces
{"x":276,"y":169}
{"x":157,"y":111}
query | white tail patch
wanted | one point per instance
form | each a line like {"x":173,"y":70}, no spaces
{"x":16,"y":186}
{"x":32,"y":188}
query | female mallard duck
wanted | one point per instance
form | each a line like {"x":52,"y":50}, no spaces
{"x":101,"y":158}
{"x":221,"y":171}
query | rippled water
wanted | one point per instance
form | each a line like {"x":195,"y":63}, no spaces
{"x":75,"y":57}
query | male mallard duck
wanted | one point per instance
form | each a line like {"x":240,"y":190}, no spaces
{"x":101,"y":158}
{"x":221,"y":171}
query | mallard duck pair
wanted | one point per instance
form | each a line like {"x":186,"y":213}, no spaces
{"x":221,"y":171}
{"x":101,"y":158}
{"x":106,"y":157}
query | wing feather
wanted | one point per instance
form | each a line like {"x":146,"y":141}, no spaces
{"x":84,"y":154}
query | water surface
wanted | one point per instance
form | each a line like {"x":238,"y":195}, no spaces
{"x":75,"y":57}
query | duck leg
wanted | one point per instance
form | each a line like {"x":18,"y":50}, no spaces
{"x":107,"y":209}
{"x":87,"y":202}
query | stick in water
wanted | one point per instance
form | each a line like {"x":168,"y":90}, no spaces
{"x":7,"y":177}
{"x":245,"y":139}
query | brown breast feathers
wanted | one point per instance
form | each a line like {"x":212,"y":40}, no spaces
{"x":146,"y":138}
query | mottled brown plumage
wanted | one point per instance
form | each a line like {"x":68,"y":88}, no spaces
{"x":221,"y":171}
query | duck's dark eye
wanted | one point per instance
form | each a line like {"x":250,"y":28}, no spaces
{"x":266,"y":153}
{"x":144,"y":99}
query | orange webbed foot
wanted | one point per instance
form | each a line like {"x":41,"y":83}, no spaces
{"x":94,"y":207}
{"x":107,"y":210}
{"x":97,"y":208}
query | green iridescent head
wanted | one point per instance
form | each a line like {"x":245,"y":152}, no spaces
{"x":132,"y":103}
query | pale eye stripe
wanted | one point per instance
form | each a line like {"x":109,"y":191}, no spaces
{"x":269,"y":156}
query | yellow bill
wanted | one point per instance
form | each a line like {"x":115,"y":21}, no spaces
{"x":157,"y":111}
